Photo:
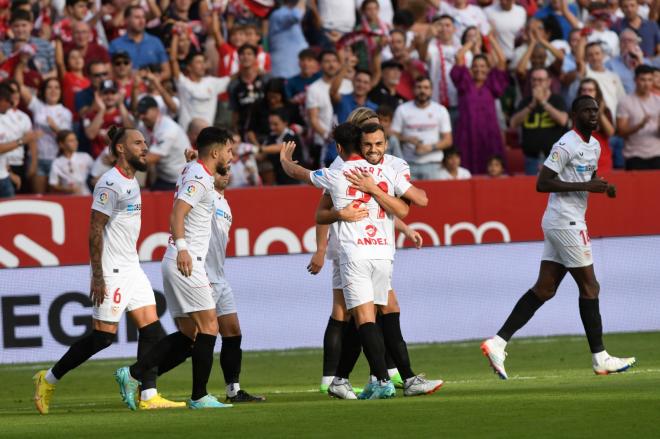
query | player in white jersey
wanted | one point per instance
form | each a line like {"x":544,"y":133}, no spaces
{"x":118,"y":283}
{"x":569,"y":174}
{"x":187,"y":288}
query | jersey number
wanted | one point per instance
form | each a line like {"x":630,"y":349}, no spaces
{"x":116,"y":297}
{"x":585,"y":237}
{"x":352,"y":192}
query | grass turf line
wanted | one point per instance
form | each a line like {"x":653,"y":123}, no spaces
{"x":552,"y":392}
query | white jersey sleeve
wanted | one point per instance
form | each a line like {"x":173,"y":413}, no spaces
{"x":558,"y":158}
{"x":104,"y":199}
{"x":192,"y":192}
{"x":324,"y":178}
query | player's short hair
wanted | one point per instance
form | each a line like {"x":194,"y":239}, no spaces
{"x":210,"y":137}
{"x":644,"y":69}
{"x":5,"y":92}
{"x":117,"y":135}
{"x":347,"y":136}
{"x":578,"y":101}
{"x":370,"y":128}
{"x":360,"y":115}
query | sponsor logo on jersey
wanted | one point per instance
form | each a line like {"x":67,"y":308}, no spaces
{"x":371,"y":230}
{"x":103,"y":197}
{"x":219,"y":213}
{"x":318,"y":173}
{"x":585,"y":168}
{"x":372,"y":241}
{"x":134,"y":207}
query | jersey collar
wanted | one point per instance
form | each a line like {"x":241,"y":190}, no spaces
{"x":354,"y":157}
{"x":205,"y":168}
{"x":122,"y":173}
{"x":580,"y":136}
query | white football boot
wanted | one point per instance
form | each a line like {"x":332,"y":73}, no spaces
{"x":494,"y":351}
{"x":606,"y":364}
{"x":419,"y":385}
{"x":342,"y":389}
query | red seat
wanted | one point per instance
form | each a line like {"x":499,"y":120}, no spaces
{"x":515,"y":160}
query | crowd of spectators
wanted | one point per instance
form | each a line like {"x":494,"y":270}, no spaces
{"x":462,"y":87}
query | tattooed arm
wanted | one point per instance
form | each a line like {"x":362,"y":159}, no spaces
{"x":97,"y":224}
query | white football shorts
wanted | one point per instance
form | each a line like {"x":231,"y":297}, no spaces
{"x":336,"y":275}
{"x":366,"y":281}
{"x":224,"y":298}
{"x":125,"y":291}
{"x":186,"y":294}
{"x":568,"y":247}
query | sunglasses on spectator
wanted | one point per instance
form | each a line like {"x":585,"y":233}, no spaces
{"x":121,"y":63}
{"x":100,"y":74}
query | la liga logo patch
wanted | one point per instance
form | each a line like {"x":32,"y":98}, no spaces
{"x":103,"y":197}
{"x":190,"y":190}
{"x":554,"y":156}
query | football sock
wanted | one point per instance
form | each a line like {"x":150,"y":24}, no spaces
{"x":326,"y":381}
{"x":388,"y":358}
{"x":590,"y":315}
{"x":392,"y":372}
{"x":50,"y":378}
{"x":522,"y":312}
{"x":172,"y":360}
{"x":171,"y":348}
{"x":374,"y":349}
{"x":202,"y":363}
{"x":332,"y":345}
{"x":147,"y":394}
{"x":350,"y":351}
{"x":232,"y":389}
{"x":149,"y":336}
{"x":81,"y":351}
{"x":395,"y":344}
{"x":230,"y":358}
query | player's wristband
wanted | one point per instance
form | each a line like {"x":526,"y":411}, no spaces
{"x":181,"y":244}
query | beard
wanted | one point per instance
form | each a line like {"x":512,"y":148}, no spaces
{"x":136,"y":164}
{"x":222,"y":169}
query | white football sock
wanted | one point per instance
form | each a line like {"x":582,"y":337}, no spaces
{"x":232,"y":389}
{"x":392,"y":372}
{"x":50,"y":378}
{"x":499,"y":342}
{"x":147,"y":394}
{"x":338,"y":381}
{"x":372,"y":379}
{"x":326,"y":380}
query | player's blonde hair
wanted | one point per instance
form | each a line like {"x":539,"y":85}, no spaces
{"x":361,"y":115}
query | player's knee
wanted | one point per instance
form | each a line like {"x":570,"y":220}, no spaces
{"x":545,"y":293}
{"x":102,"y":340}
{"x":208,"y":327}
{"x":590,"y":290}
{"x":152,"y":331}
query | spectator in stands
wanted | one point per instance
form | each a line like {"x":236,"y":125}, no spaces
{"x":227,"y":51}
{"x":21,"y":24}
{"x":496,"y":167}
{"x":83,"y":41}
{"x":246,"y":90}
{"x":336,"y":17}
{"x":22,"y":161}
{"x":563,"y":12}
{"x":412,"y":68}
{"x":310,"y":71}
{"x":605,"y":129}
{"x":198,"y":91}
{"x":536,"y":57}
{"x":103,"y":163}
{"x":647,"y":30}
{"x":477,"y":133}
{"x":274,"y":100}
{"x":598,"y":30}
{"x":451,"y":166}
{"x":543,"y":119}
{"x":195,"y":127}
{"x":148,"y":82}
{"x":143,"y":49}
{"x":76,"y":12}
{"x":630,"y":57}
{"x":424,"y":130}
{"x":403,"y":21}
{"x":609,"y":82}
{"x":268,"y":157}
{"x":319,"y":106}
{"x":71,"y":169}
{"x":385,"y":115}
{"x":12,"y":138}
{"x":167,"y":143}
{"x":345,"y":103}
{"x":384,"y":93}
{"x":440,"y":57}
{"x":253,"y":38}
{"x":466,"y":15}
{"x":638,"y":123}
{"x":285,"y":36}
{"x":73,"y":78}
{"x":121,"y":72}
{"x":509,"y":20}
{"x":375,"y":31}
{"x":49,"y":116}
{"x":107,"y":110}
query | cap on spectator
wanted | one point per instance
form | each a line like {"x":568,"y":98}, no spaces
{"x":121,"y":55}
{"x":108,"y":86}
{"x":391,"y":63}
{"x":145,"y":104}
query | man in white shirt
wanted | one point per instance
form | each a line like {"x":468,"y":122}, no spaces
{"x":569,"y":174}
{"x":466,"y":15}
{"x":609,"y":82}
{"x":320,"y":110}
{"x":509,"y":20}
{"x":186,"y":284}
{"x":118,"y":283}
{"x":198,"y":91}
{"x":337,"y":16}
{"x":167,"y":144}
{"x":424,"y":129}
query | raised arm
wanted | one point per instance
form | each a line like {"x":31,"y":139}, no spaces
{"x":291,"y":168}
{"x":364,"y":182}
{"x":97,"y":224}
{"x":174,"y":56}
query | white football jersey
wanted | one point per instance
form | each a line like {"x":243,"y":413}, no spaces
{"x":372,"y":237}
{"x":574,"y":160}
{"x":195,"y":187}
{"x":400,"y":167}
{"x":220,"y":225}
{"x":119,"y":197}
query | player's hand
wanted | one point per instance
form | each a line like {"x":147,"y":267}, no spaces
{"x":597,"y":185}
{"x":97,"y":291}
{"x":362,"y":181}
{"x":415,"y":237}
{"x":611,"y":191}
{"x":316,"y":263}
{"x":184,"y":263}
{"x":286,"y":153}
{"x":353,"y":212}
{"x":190,"y":155}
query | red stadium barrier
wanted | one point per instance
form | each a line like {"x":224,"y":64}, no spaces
{"x":52,"y":230}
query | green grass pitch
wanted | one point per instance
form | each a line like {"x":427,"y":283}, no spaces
{"x":552,"y":392}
